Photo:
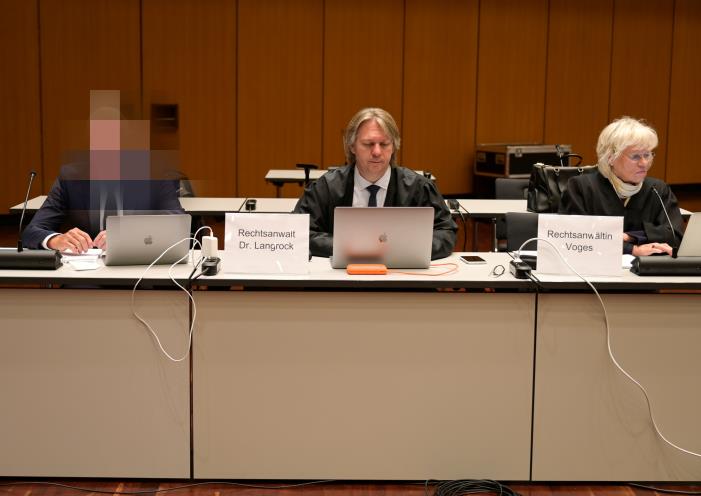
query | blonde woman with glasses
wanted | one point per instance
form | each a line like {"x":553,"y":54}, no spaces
{"x":652,"y":222}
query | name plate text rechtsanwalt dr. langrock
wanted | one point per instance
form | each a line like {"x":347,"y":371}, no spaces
{"x":592,"y":245}
{"x":266,"y":243}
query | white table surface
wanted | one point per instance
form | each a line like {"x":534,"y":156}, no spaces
{"x":271,"y":205}
{"x":211,"y":206}
{"x":491,"y":208}
{"x":483,"y":207}
{"x":292,"y":175}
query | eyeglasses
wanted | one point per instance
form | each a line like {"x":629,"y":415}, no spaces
{"x":637,"y":157}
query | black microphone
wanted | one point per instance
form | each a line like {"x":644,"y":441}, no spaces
{"x":32,"y":175}
{"x":31,"y":259}
{"x":674,"y":236}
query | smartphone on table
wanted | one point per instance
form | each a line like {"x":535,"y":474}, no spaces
{"x":472,"y":259}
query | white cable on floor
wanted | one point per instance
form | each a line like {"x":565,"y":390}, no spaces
{"x":608,"y":342}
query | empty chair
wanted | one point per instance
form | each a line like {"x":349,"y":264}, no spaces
{"x":507,"y":188}
{"x":511,"y":188}
{"x":187,"y":190}
{"x":521,"y":226}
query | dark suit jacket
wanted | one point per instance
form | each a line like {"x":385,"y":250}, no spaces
{"x":406,"y":189}
{"x":77,"y":201}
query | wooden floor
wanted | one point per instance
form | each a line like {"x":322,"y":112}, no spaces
{"x":241,"y":488}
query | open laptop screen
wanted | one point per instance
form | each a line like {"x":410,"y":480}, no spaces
{"x":398,"y":237}
{"x":140,"y":239}
{"x":691,"y":242}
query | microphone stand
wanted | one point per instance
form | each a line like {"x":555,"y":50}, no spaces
{"x":32,"y":175}
{"x":29,"y":259}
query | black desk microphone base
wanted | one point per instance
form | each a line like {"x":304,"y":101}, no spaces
{"x":11,"y":259}
{"x":666,"y":266}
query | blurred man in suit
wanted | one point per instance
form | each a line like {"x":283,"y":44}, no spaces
{"x":117,"y":176}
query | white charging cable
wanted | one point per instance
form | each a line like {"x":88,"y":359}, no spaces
{"x":608,"y":342}
{"x":190,"y":253}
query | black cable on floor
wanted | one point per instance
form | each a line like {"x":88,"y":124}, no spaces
{"x":462,"y":487}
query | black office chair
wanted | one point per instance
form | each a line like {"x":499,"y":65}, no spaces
{"x":187,"y":190}
{"x":511,"y":188}
{"x":307,"y":168}
{"x":521,"y":226}
{"x":508,"y":188}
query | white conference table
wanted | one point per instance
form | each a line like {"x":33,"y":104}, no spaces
{"x":211,"y":206}
{"x":481,"y":209}
{"x":280,"y":177}
{"x":326,"y":375}
{"x":271,"y":205}
{"x":33,"y":204}
{"x":487,"y":209}
{"x":496,"y":209}
{"x":484,"y":208}
{"x":477,"y":208}
{"x":84,"y":390}
{"x":197,"y":205}
{"x":289,"y":381}
{"x":492,"y":210}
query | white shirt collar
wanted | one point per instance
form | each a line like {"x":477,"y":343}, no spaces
{"x":362,"y":183}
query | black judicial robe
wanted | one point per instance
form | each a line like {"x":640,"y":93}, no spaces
{"x":406,"y":189}
{"x":643,"y":216}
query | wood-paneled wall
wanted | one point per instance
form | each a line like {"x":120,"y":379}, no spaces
{"x":685,"y":95}
{"x":20,"y":122}
{"x":640,"y":64}
{"x":578,"y":73}
{"x":440,"y":64}
{"x":189,"y":60}
{"x":280,"y":83}
{"x":263,"y":85}
{"x":85,"y":45}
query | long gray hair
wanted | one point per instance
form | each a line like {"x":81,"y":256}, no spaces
{"x":383,"y":119}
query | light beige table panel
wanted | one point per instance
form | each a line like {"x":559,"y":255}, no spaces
{"x":85,"y":393}
{"x":591,"y":423}
{"x":356,"y":385}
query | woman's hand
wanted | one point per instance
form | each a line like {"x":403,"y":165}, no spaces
{"x":651,"y":249}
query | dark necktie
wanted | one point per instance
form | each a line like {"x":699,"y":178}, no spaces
{"x":373,"y":189}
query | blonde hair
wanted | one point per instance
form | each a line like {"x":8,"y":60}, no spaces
{"x":383,"y":119}
{"x":619,"y":135}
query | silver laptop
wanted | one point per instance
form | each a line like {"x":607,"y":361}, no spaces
{"x":398,"y":237}
{"x":691,"y":242}
{"x":140,"y":239}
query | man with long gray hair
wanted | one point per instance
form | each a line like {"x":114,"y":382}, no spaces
{"x":372,"y":178}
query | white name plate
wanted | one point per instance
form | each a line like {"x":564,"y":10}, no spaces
{"x":592,"y":245}
{"x":266,"y":243}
